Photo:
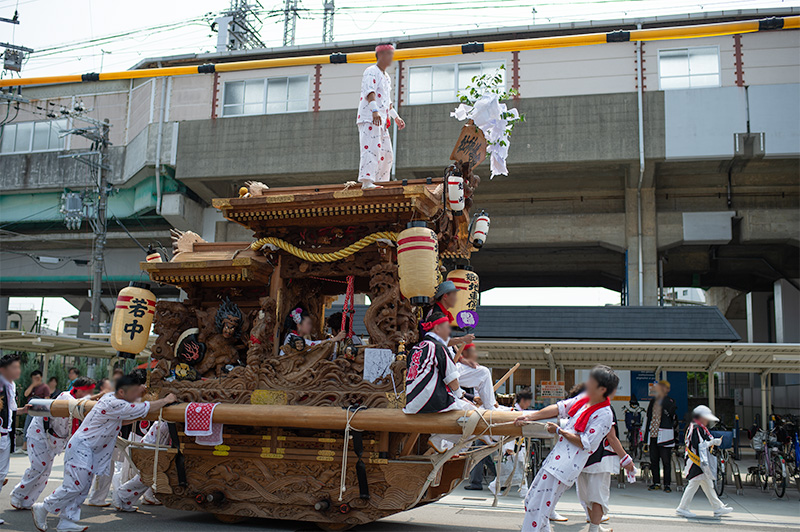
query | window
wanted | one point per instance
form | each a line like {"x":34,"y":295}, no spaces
{"x":441,"y":83}
{"x":13,"y":324}
{"x":25,"y":137}
{"x":259,"y":96}
{"x":688,"y":68}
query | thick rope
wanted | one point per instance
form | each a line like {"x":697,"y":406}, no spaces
{"x":346,"y":445}
{"x":343,"y":253}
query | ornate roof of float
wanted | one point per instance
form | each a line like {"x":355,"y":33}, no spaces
{"x":213,"y":264}
{"x":326,"y":205}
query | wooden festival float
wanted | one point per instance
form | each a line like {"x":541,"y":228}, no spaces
{"x":306,"y":436}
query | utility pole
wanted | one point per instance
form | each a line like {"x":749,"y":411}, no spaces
{"x":77,"y":207}
{"x":14,"y":55}
{"x":100,"y":229}
{"x":239,"y":27}
{"x":289,"y":22}
{"x":327,"y":21}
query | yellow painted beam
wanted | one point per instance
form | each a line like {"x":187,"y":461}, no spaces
{"x":516,"y":45}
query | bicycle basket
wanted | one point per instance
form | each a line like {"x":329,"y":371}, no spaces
{"x":757,"y":442}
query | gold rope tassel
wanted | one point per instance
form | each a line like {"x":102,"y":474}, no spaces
{"x":353,"y":248}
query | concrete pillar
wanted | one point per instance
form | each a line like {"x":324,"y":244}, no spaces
{"x":84,"y":319}
{"x":787,"y":312}
{"x":764,"y":409}
{"x":712,"y":400}
{"x":4,"y":313}
{"x":649,"y":291}
{"x":758,"y":317}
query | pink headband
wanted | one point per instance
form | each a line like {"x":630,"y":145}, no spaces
{"x":383,"y":48}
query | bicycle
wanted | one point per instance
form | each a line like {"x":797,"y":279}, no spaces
{"x":633,"y":425}
{"x":533,"y":460}
{"x":771,"y":468}
{"x":724,"y":457}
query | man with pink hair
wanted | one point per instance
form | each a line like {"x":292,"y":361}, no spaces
{"x":375,"y":112}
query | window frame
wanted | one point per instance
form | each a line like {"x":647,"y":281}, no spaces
{"x":264,"y":93}
{"x":688,"y":65}
{"x":63,"y":142}
{"x":456,"y":88}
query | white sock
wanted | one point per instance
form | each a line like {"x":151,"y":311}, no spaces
{"x":594,"y":528}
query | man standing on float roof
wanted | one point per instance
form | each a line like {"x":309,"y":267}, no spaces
{"x":375,"y":112}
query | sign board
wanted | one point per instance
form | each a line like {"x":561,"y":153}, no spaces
{"x":642,"y":384}
{"x":552,"y":390}
{"x":470,"y":146}
{"x":377,"y":363}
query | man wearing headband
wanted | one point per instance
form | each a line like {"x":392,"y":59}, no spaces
{"x":375,"y":110}
{"x":432,"y":378}
{"x":47,"y":438}
{"x":89,"y":451}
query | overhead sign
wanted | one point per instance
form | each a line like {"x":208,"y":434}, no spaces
{"x":470,"y":146}
{"x":552,"y":390}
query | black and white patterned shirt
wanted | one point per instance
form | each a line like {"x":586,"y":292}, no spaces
{"x":430,"y":368}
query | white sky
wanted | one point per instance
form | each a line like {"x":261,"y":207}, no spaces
{"x":51,"y":23}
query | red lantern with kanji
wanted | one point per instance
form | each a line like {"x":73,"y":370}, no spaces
{"x":133,"y":316}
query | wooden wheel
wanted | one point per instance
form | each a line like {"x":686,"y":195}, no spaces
{"x":333,"y":527}
{"x":229,"y":519}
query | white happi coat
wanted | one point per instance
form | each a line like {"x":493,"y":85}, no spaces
{"x":566,"y":461}
{"x":92,"y":445}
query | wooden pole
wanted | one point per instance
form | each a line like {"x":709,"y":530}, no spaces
{"x":505,"y":377}
{"x":332,"y":418}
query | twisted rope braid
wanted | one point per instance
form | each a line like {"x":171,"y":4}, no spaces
{"x":353,"y":248}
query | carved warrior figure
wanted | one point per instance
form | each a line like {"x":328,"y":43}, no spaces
{"x":221,"y":330}
{"x":261,"y":335}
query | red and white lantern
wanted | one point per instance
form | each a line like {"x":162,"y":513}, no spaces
{"x":455,"y":194}
{"x":480,"y":229}
{"x":417,"y":256}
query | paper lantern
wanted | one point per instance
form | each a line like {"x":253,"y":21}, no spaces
{"x":133,"y":316}
{"x":417,"y":255}
{"x":455,"y":194}
{"x":468,"y":286}
{"x":480,"y":228}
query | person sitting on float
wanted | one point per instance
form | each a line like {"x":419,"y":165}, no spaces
{"x":298,"y":327}
{"x":444,"y":300}
{"x":432,"y":379}
{"x":334,"y":322}
{"x":473,"y":375}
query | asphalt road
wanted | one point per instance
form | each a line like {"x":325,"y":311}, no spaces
{"x":634,"y":510}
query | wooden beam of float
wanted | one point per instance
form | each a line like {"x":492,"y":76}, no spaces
{"x":330,"y":418}
{"x":514,"y":45}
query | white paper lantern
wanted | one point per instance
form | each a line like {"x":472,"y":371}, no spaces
{"x":455,"y":194}
{"x":417,"y":256}
{"x":480,"y":229}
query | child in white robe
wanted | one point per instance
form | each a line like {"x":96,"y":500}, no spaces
{"x":589,"y":419}
{"x":126,"y":496}
{"x":47,"y":438}
{"x":90,"y":449}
